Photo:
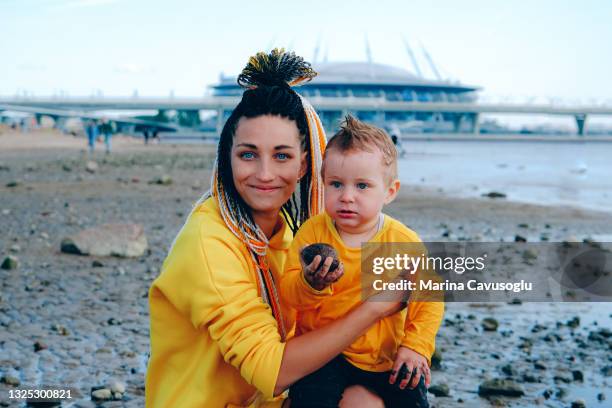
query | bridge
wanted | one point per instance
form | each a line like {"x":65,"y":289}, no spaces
{"x":461,"y":112}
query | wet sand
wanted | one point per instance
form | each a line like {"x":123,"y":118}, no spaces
{"x":93,"y":321}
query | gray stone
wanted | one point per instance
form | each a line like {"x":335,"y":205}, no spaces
{"x":40,"y":346}
{"x":15,"y":248}
{"x":10,"y":380}
{"x":578,"y":404}
{"x":122,"y":240}
{"x":117,"y":387}
{"x":436,"y":360}
{"x":164,"y":180}
{"x":91,"y":166}
{"x":574,"y":322}
{"x":439,"y":390}
{"x":577,"y":375}
{"x":103,"y":394}
{"x":500,"y":387}
{"x":494,"y":194}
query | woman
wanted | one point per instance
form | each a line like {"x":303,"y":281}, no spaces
{"x":218,"y":329}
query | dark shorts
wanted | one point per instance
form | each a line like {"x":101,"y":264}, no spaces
{"x":324,"y":387}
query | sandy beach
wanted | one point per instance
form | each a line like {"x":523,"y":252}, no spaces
{"x":67,"y":323}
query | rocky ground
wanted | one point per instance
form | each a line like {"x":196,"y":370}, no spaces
{"x":82,"y":321}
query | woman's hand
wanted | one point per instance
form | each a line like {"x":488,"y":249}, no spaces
{"x":416,"y":365}
{"x":387,"y":302}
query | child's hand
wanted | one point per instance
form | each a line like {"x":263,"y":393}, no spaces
{"x":321,"y":278}
{"x":415,"y":363}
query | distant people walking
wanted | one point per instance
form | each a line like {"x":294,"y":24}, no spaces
{"x":106,"y":128}
{"x":91,"y":129}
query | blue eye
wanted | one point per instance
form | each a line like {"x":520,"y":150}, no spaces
{"x":282,"y":156}
{"x":335,"y":184}
{"x":362,"y":186}
{"x":247,"y":155}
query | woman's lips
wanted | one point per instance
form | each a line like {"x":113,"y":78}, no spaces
{"x":265,"y":189}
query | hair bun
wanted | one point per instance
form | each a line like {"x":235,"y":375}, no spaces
{"x":278,"y":68}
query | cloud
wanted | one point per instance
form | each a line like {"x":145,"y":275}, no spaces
{"x":131,"y":68}
{"x":88,"y":3}
{"x":31,"y":67}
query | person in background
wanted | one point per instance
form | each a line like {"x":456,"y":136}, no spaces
{"x":91,"y":129}
{"x":106,"y":128}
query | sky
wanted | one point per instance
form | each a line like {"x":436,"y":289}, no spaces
{"x":542,"y":51}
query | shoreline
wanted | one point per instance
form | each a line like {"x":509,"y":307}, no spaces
{"x":91,"y":313}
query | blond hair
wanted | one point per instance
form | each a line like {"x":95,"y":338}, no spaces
{"x":355,"y":135}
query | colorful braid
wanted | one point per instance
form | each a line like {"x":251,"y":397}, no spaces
{"x":283,"y":70}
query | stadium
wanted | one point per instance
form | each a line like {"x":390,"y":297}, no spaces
{"x":374,"y":87}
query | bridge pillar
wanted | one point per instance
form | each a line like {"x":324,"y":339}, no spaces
{"x":59,"y":123}
{"x":189,"y":118}
{"x":457,"y":120}
{"x":476,"y":123}
{"x":581,"y":123}
{"x":219,"y":121}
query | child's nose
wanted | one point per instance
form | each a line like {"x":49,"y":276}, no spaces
{"x":347,"y":195}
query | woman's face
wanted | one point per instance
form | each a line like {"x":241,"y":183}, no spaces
{"x":267,"y":161}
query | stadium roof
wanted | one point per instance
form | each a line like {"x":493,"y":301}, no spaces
{"x":365,"y":74}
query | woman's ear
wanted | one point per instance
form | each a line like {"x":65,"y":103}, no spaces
{"x":392,"y":191}
{"x":303,"y":166}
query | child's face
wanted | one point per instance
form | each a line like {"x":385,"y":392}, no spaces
{"x":356,"y":188}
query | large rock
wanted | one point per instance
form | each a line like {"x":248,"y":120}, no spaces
{"x":122,"y":240}
{"x":500,"y":387}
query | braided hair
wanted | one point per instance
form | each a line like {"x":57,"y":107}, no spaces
{"x":268,"y":79}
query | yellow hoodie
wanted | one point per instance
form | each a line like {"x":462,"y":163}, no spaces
{"x":375,"y":350}
{"x":214,"y":342}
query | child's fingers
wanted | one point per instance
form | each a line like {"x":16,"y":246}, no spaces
{"x":410,"y":373}
{"x":320,"y":275}
{"x":416,"y":378}
{"x":312,"y":267}
{"x":427,"y":374}
{"x":397,"y":367}
{"x":335,"y":275}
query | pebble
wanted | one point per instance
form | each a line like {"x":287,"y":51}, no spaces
{"x":97,"y":264}
{"x":489,"y":324}
{"x":10,"y":262}
{"x":164,"y":180}
{"x":574,"y":322}
{"x":103,"y":394}
{"x":494,"y":194}
{"x":500,"y":387}
{"x":117,"y":387}
{"x":439,"y":390}
{"x":39,"y":346}
{"x":577,"y":375}
{"x":91,"y":166}
{"x":10,"y":380}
